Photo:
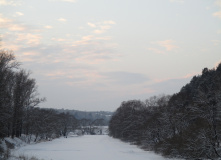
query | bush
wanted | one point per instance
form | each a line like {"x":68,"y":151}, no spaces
{"x":24,"y":157}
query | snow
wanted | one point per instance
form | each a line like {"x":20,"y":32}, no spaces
{"x":16,"y":142}
{"x":87,"y":147}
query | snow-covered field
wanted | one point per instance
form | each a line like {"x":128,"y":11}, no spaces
{"x":88,"y":147}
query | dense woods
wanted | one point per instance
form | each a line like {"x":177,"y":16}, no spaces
{"x":19,"y":99}
{"x":186,"y":124}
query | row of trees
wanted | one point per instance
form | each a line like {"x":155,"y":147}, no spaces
{"x":18,"y":101}
{"x":186,"y":124}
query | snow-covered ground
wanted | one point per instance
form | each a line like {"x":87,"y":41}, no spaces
{"x":88,"y":147}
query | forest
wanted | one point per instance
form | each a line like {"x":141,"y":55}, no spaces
{"x":19,"y":99}
{"x":186,"y":124}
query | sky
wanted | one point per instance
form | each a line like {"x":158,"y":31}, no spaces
{"x":94,"y":54}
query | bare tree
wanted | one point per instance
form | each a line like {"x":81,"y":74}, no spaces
{"x":7,"y":65}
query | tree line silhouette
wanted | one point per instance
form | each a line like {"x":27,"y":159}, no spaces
{"x":186,"y":124}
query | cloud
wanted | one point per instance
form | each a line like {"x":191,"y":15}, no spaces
{"x":10,"y":3}
{"x":109,"y":22}
{"x":28,"y":38}
{"x":218,"y":13}
{"x":167,"y":44}
{"x":190,"y":75}
{"x":169,"y":86}
{"x":82,"y":77}
{"x":162,"y":47}
{"x":16,"y":27}
{"x":17,"y":35}
{"x":38,"y":52}
{"x":99,"y":31}
{"x":62,"y":20}
{"x":177,"y":1}
{"x":13,"y":47}
{"x":19,"y":13}
{"x":125,"y":77}
{"x":156,"y":50}
{"x":86,"y":51}
{"x":65,"y":52}
{"x":59,"y":39}
{"x":48,"y":27}
{"x":70,"y":1}
{"x":91,"y":24}
{"x":9,"y":24}
{"x":218,"y":3}
{"x":217,"y":63}
{"x":101,"y":27}
{"x":216,"y":42}
{"x":4,"y":21}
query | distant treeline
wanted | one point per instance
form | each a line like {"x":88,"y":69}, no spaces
{"x":90,"y":116}
{"x":18,"y":101}
{"x":185,"y":125}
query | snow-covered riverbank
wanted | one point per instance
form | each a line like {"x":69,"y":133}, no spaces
{"x":88,"y":147}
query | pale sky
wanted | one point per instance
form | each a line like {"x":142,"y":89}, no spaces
{"x":94,"y":54}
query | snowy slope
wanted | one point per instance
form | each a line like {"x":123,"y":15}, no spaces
{"x":88,"y":147}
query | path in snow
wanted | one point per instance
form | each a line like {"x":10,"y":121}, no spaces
{"x":88,"y":147}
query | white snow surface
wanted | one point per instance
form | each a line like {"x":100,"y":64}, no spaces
{"x":87,"y":147}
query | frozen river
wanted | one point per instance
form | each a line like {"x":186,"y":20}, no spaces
{"x":88,"y":147}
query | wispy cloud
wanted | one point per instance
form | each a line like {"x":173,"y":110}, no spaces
{"x":169,"y":86}
{"x":61,"y":53}
{"x":28,"y":38}
{"x":62,"y":20}
{"x":125,"y":77}
{"x":77,"y":76}
{"x":167,"y":44}
{"x":101,"y":27}
{"x":109,"y":22}
{"x":4,"y":21}
{"x":10,"y":2}
{"x":9,"y":24}
{"x":177,"y":1}
{"x":156,"y":50}
{"x":218,"y":13}
{"x":48,"y":27}
{"x":59,"y":39}
{"x":162,"y":47}
{"x":190,"y":75}
{"x":19,"y":13}
{"x":216,"y":42}
{"x":217,"y":63}
{"x":91,"y":24}
{"x":86,"y":51}
{"x":218,"y":3}
{"x":94,"y":50}
{"x":70,"y":1}
{"x":17,"y":35}
{"x":187,"y":76}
